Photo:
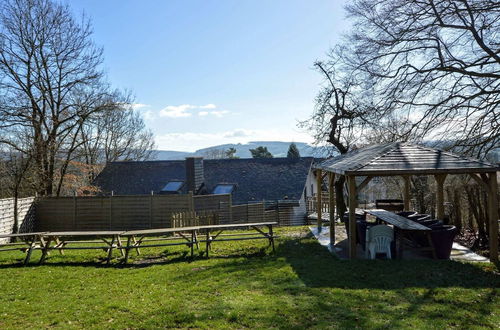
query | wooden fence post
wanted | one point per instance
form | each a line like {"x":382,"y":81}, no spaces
{"x":352,"y":216}
{"x":111,"y":210}
{"x":493,"y":215}
{"x":331,"y":200}
{"x":151,"y":210}
{"x":74,"y":211}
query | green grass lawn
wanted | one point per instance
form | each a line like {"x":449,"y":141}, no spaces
{"x":245,"y":285}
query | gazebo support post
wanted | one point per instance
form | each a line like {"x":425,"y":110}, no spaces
{"x":331,"y":195}
{"x":440,"y":196}
{"x":352,"y":216}
{"x":319,"y":180}
{"x":493,"y":215}
{"x":406,"y":193}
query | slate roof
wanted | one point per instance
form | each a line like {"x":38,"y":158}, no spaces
{"x":256,"y":179}
{"x":402,"y":158}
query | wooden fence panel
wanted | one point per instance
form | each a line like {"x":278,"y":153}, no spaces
{"x":89,"y":213}
{"x":109,"y":213}
{"x":255,"y":212}
{"x":55,"y":214}
{"x":217,"y":203}
{"x":149,"y":211}
{"x":270,"y":216}
{"x":239,"y":213}
{"x":163,"y":206}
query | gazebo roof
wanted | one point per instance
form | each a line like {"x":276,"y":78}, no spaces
{"x":403,"y":158}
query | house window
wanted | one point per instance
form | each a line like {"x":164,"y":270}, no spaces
{"x":173,"y":186}
{"x":223,"y":189}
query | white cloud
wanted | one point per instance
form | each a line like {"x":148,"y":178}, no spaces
{"x":238,"y":133}
{"x":144,"y":110}
{"x":180,"y":111}
{"x":208,"y":106}
{"x":203,"y":113}
{"x":220,"y":113}
{"x":192,"y":141}
{"x":137,"y":106}
{"x":148,"y":115}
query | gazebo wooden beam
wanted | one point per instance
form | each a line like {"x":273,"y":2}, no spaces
{"x":440,"y":178}
{"x":493,"y":215}
{"x":480,"y":180}
{"x":352,"y":216}
{"x":364,"y":183}
{"x":331,"y":195}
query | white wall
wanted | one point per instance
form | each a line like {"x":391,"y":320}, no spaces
{"x":311,"y":181}
{"x":25,"y":219}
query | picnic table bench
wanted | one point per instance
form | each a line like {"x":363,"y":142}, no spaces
{"x":402,"y":225}
{"x":110,"y":240}
{"x":136,"y":238}
{"x":28,"y":242}
{"x":62,"y":239}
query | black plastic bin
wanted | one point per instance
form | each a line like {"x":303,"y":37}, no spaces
{"x":359,"y":217}
{"x":406,"y":214}
{"x":419,"y":217}
{"x":362,"y":226}
{"x":442,"y":239}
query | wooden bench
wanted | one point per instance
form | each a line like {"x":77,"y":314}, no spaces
{"x":402,"y":225}
{"x":61,"y":240}
{"x":394,"y":205}
{"x":269,"y":235}
{"x":28,"y":242}
{"x":137,"y":238}
{"x":72,"y":240}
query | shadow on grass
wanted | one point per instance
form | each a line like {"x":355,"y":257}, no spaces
{"x":312,"y":263}
{"x":302,"y":285}
{"x":327,"y":291}
{"x":165,"y":257}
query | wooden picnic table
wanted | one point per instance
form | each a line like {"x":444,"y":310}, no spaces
{"x":402,"y":225}
{"x":111,"y":239}
{"x":221,"y":228}
{"x":136,"y":238}
{"x":47,"y":241}
{"x":28,"y":243}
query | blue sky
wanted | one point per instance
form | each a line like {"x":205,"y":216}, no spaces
{"x":213,"y":72}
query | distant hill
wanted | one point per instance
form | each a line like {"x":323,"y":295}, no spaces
{"x":276,"y":148}
{"x":171,"y":155}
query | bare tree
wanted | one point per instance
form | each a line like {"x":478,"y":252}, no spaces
{"x":117,"y":133}
{"x":53,"y":91}
{"x":342,"y":114}
{"x":435,"y":67}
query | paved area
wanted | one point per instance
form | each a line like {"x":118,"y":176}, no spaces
{"x":458,"y":252}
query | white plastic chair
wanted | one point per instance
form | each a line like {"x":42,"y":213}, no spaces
{"x":378,"y":240}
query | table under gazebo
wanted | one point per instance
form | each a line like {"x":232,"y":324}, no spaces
{"x":405,"y":160}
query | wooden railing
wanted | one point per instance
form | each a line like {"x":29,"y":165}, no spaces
{"x":192,"y":218}
{"x":312,"y":203}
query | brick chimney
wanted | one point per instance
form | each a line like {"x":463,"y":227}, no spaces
{"x":194,"y":173}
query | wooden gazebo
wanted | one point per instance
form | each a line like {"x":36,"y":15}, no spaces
{"x":405,"y":160}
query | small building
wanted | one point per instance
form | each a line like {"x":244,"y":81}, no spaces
{"x":247,"y":180}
